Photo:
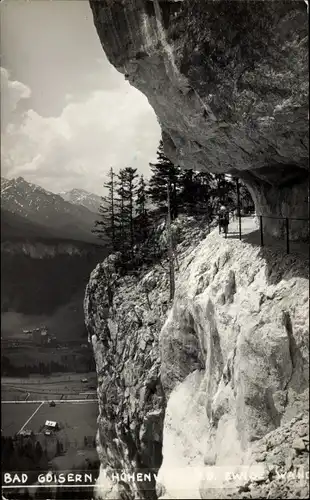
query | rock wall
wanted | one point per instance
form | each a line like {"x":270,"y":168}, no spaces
{"x":243,"y":313}
{"x":203,"y":388}
{"x":124,"y":316}
{"x":229,"y":84}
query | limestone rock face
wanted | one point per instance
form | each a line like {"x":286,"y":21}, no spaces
{"x":124,"y":316}
{"x":228,"y":82}
{"x":234,"y":361}
{"x":219,"y":380}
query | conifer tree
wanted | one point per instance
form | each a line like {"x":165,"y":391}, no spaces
{"x":129,"y":192}
{"x":187,"y":196}
{"x":141,"y":197}
{"x":105,"y":226}
{"x":165,"y":173}
{"x":126,"y":195}
{"x":120,"y":211}
{"x":141,"y":219}
{"x":204,"y":184}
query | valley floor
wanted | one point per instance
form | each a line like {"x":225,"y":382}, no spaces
{"x":26,"y":406}
{"x":62,"y":386}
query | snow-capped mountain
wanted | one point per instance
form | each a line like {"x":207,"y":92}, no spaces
{"x":47,"y":209}
{"x":82,"y":197}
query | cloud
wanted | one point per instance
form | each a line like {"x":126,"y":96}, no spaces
{"x":12,"y":92}
{"x":113,"y":127}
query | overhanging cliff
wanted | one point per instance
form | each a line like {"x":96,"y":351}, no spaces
{"x":228,"y":81}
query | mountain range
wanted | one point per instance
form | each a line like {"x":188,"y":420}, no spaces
{"x":28,"y":210}
{"x":47,"y":253}
{"x":84,"y":198}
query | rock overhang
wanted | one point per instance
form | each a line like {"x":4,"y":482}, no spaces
{"x":228,"y":81}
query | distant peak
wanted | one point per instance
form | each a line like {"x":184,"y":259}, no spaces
{"x":77,"y":190}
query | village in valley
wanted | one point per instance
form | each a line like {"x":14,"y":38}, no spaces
{"x":45,"y":381}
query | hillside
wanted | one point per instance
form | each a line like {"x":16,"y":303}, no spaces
{"x":44,"y":267}
{"x":15,"y":226}
{"x":43,"y":208}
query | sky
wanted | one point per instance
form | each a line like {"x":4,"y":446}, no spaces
{"x":67,"y":116}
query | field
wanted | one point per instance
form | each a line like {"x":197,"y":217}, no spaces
{"x":76,"y":420}
{"x":76,"y":417}
{"x":25,"y":406}
{"x":57,"y":386}
{"x":22,"y":396}
{"x":13,"y":417}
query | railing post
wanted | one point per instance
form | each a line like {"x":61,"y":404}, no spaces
{"x":287,"y":235}
{"x":238,"y":205}
{"x":261,"y":230}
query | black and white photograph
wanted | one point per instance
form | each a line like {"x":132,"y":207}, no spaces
{"x":154,"y":249}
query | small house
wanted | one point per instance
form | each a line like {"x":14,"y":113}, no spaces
{"x":51,"y":425}
{"x":26,"y":433}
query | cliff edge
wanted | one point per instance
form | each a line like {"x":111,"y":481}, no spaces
{"x":218,"y":379}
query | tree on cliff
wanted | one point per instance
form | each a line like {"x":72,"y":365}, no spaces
{"x":141,"y":197}
{"x":187,"y":193}
{"x":141,"y":219}
{"x":105,"y":226}
{"x":190,"y":192}
{"x":120,"y":211}
{"x":165,"y":173}
{"x":126,"y":190}
{"x":195,"y":192}
{"x":204,"y":186}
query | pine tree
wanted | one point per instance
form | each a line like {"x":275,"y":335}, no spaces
{"x":105,"y":226}
{"x":165,"y":173}
{"x":141,"y":219}
{"x":141,"y":197}
{"x":187,"y":196}
{"x":204,"y":185}
{"x":130,"y":191}
{"x":120,"y":211}
{"x":125,"y":216}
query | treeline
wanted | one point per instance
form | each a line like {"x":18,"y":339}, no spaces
{"x":23,"y":453}
{"x":26,"y":454}
{"x":131,"y":206}
{"x":10,"y":370}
